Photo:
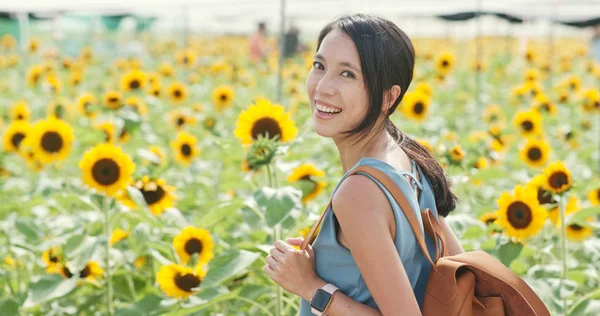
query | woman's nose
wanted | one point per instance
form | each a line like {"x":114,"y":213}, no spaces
{"x":325,"y":86}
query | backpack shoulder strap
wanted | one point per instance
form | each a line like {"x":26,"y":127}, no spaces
{"x":409,"y":212}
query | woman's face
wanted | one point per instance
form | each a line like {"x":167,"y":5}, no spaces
{"x":335,"y":84}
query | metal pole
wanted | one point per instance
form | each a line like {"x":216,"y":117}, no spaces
{"x":281,"y":50}
{"x":186,"y":26}
{"x":551,"y":43}
{"x":478,"y":58}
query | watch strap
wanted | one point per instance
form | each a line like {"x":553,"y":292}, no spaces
{"x":330,"y":289}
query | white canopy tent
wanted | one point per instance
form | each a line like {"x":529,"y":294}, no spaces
{"x":418,"y":18}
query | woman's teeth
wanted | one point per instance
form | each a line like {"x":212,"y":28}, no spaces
{"x":326,"y":109}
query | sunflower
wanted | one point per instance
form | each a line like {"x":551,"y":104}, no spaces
{"x":157,"y":194}
{"x":305,"y":231}
{"x":530,"y":55}
{"x":444,"y":63}
{"x":571,"y":207}
{"x":591,"y":100}
{"x":264,"y":118}
{"x":533,"y":88}
{"x":20,"y":111}
{"x":53,"y":259}
{"x":134,"y":80}
{"x":59,"y":108}
{"x":154,"y":90}
{"x":488,"y":218}
{"x":139,"y":262}
{"x":482,"y":163}
{"x":520,"y":214}
{"x":178,"y":92}
{"x":113,"y":100}
{"x":415,"y":105}
{"x":426,"y":144}
{"x":14,"y":135}
{"x":493,"y":115}
{"x":543,"y":196}
{"x":137,"y":104}
{"x":456,"y":153}
{"x":166,"y":70}
{"x":192,"y":241}
{"x":108,"y":129}
{"x":543,"y":104}
{"x":576,"y":232}
{"x":106,"y":168}
{"x":184,"y":147}
{"x":532,"y":75}
{"x":8,"y":41}
{"x":124,"y":135}
{"x":528,"y":122}
{"x":91,"y":272}
{"x":53,"y":84}
{"x":424,"y":88}
{"x":222,"y":97}
{"x":50,"y":140}
{"x":34,"y":73}
{"x":535,"y":152}
{"x":86,"y":104}
{"x":572,"y":83}
{"x":125,"y":200}
{"x":557,"y":178}
{"x":179,"y":120}
{"x":179,"y":281}
{"x":594,"y":196}
{"x":118,"y":235}
{"x":186,"y":57}
{"x":305,"y":175}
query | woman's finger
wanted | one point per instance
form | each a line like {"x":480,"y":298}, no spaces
{"x":271,"y":261}
{"x":276,"y":253}
{"x":297,"y":241}
{"x":282,"y":246}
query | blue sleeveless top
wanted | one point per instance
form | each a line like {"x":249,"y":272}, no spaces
{"x":334,"y":262}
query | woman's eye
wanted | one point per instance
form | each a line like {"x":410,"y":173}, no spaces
{"x":348,"y":74}
{"x":318,"y":65}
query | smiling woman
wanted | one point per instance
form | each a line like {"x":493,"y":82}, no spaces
{"x":365,"y":260}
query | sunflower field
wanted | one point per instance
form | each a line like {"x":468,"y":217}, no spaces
{"x":156,"y":184}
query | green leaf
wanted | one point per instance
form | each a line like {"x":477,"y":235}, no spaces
{"x":219,"y":212}
{"x":9,"y":306}
{"x":148,"y":155}
{"x":582,"y":214}
{"x":509,"y":252}
{"x":488,"y":174}
{"x":27,"y":227}
{"x":473,"y":232}
{"x":47,"y":288}
{"x":278,"y":202}
{"x":79,"y":250}
{"x":228,"y":265}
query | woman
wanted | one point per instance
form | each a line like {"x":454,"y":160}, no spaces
{"x":366,"y":248}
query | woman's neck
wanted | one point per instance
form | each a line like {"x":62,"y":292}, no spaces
{"x":377,"y":146}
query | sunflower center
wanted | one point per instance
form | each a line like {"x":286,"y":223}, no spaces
{"x":53,"y":258}
{"x":223,"y":97}
{"x":16,"y":139}
{"x":419,"y":108}
{"x":66,"y":272}
{"x":490,"y":221}
{"x":534,"y":154}
{"x":187,"y":281}
{"x":575,"y":227}
{"x":85,"y":272}
{"x":186,"y":60}
{"x":546,"y":107}
{"x":20,"y":117}
{"x":598,"y":194}
{"x":266,"y":125}
{"x":445,"y":63}
{"x":519,"y":215}
{"x":180,"y":121}
{"x":177,"y":93}
{"x":186,"y":150}
{"x":558,"y":179}
{"x":113,"y":99}
{"x":106,"y":171}
{"x":134,"y":84}
{"x":573,"y":86}
{"x":152,"y":197}
{"x":527,"y":125}
{"x":52,"y":142}
{"x":156,"y":92}
{"x":193,"y":246}
{"x":569,"y":135}
{"x":543,"y":196}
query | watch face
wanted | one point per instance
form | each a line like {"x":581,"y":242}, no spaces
{"x":320,"y":300}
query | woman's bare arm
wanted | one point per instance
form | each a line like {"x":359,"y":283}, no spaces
{"x":453,"y":244}
{"x":364,"y":214}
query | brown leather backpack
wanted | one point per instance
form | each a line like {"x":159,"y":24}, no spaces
{"x":468,"y":284}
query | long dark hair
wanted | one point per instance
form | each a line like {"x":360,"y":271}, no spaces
{"x":387,"y":58}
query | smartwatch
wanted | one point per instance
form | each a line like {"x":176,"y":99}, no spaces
{"x":322,"y":299}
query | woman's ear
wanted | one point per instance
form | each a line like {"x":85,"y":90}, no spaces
{"x":390,"y":96}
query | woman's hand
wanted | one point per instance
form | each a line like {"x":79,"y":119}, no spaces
{"x":292,"y":269}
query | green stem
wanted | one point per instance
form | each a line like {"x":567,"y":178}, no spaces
{"x":269,"y":177}
{"x":107,"y":258}
{"x":591,"y":295}
{"x":279,"y":289}
{"x":563,"y":248}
